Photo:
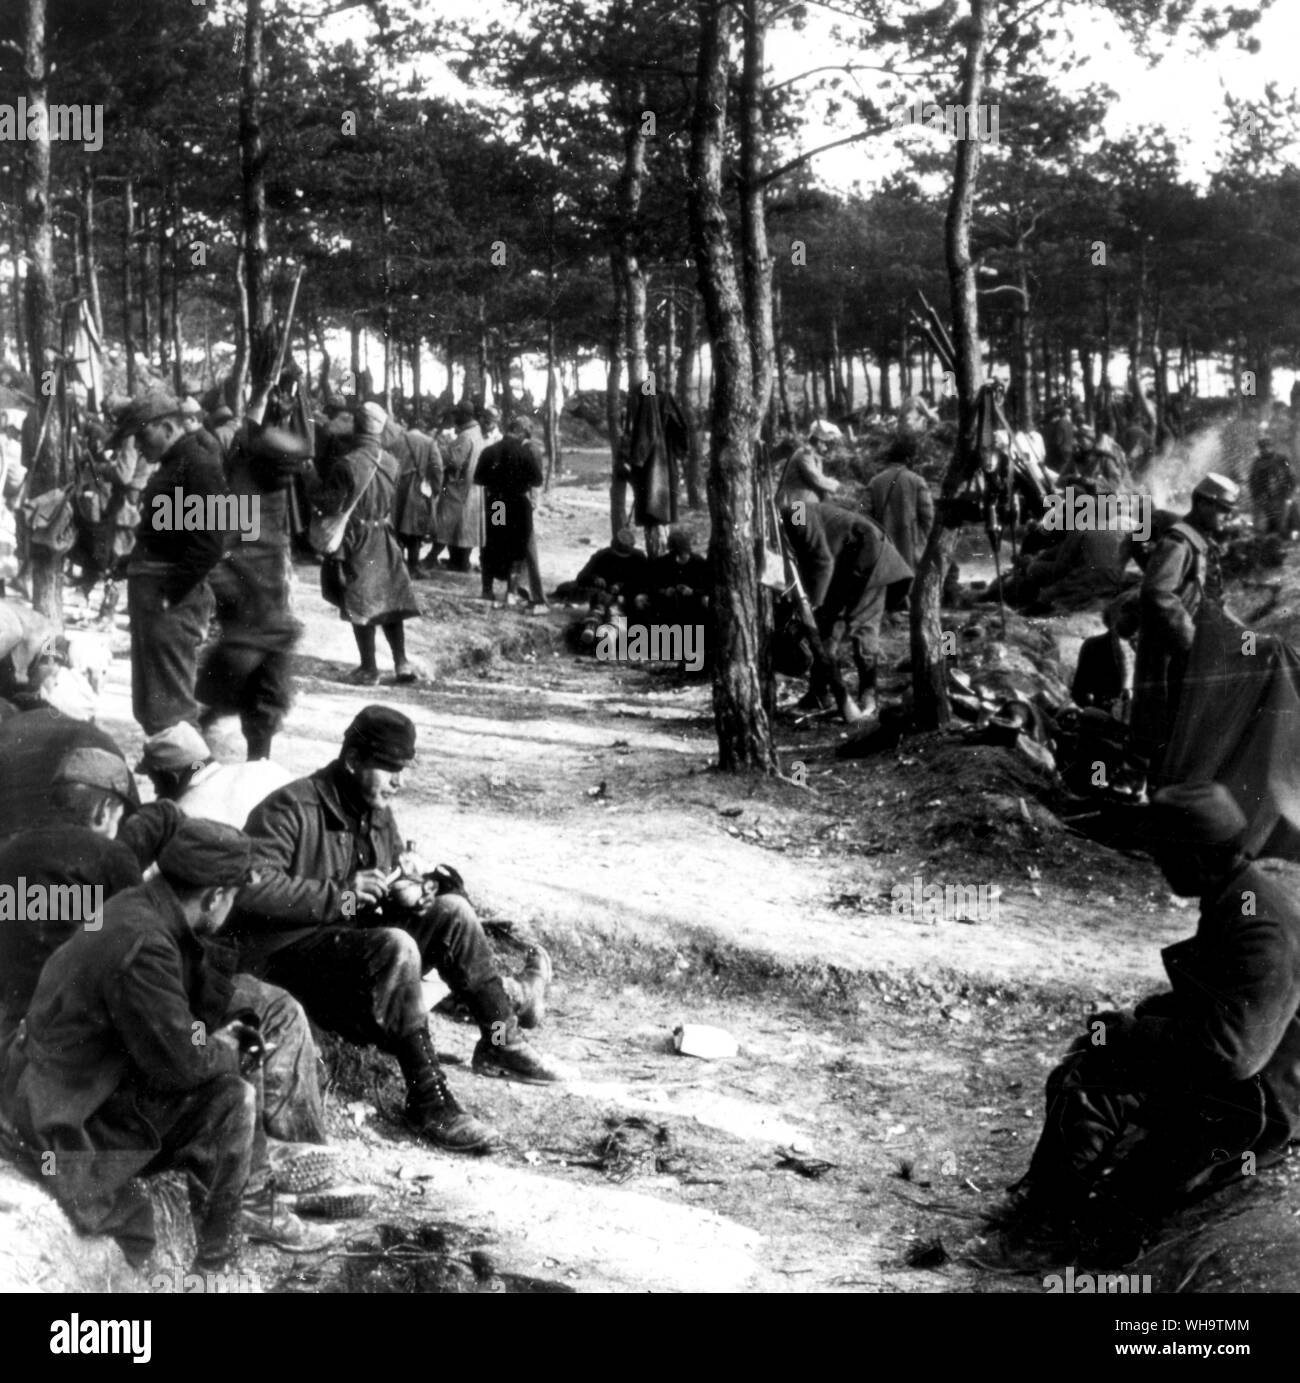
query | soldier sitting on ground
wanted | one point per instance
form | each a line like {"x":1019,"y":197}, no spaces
{"x":126,"y":1066}
{"x":1199,"y":1085}
{"x":333,"y":921}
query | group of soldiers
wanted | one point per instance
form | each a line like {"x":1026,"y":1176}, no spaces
{"x":166,"y":1026}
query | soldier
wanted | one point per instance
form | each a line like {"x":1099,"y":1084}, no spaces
{"x":418,"y":486}
{"x":367,"y":578}
{"x":901,"y":503}
{"x":510,"y":473}
{"x":1200,"y":1084}
{"x":802,"y":477}
{"x":847,"y":565}
{"x":168,"y":597}
{"x":1272,"y":484}
{"x":1181,"y":576}
{"x":123,"y":1066}
{"x":332,"y":924}
{"x":188,"y":781}
{"x":458,"y":522}
{"x":247,"y":671}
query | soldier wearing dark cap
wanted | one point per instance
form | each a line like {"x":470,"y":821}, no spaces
{"x":125,"y":1067}
{"x":1200,"y":1084}
{"x":168,"y":596}
{"x":1182,"y":575}
{"x":330,"y":922}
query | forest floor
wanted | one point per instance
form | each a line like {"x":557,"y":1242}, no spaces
{"x":889,"y":1082}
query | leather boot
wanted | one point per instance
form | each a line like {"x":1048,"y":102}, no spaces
{"x":503,"y":1050}
{"x":432,"y":1111}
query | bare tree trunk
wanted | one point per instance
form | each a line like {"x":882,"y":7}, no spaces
{"x":252,"y":163}
{"x":87,"y":210}
{"x":930,"y":706}
{"x":741,"y":692}
{"x":48,"y":464}
{"x":128,"y":326}
{"x":689,"y":396}
{"x":177,"y":366}
{"x":756,"y":262}
{"x":146,"y":317}
{"x":613,"y":397}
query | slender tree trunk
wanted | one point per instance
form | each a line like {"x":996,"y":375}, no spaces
{"x":128,"y":325}
{"x":785,"y":415}
{"x":688,"y":393}
{"x":48,"y":467}
{"x":88,"y":237}
{"x":177,"y":364}
{"x":613,"y":396}
{"x":756,"y":261}
{"x":930,"y":706}
{"x":160,"y":285}
{"x":252,"y":164}
{"x":146,"y":278}
{"x":741,"y":693}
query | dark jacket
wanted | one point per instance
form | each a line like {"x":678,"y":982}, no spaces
{"x":310,"y":837}
{"x":193,"y":464}
{"x":627,"y":570}
{"x":508,"y":471}
{"x":1235,"y":1009}
{"x":367,"y":578}
{"x":111,"y":1025}
{"x":831,"y":540}
{"x":51,"y":857}
{"x":1173,"y":590}
{"x":900,"y":502}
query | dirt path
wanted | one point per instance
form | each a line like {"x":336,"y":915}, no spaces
{"x":577,"y":798}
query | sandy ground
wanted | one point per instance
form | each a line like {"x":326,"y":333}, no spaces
{"x":578,"y":799}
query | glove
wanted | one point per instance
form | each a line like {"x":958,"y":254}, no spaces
{"x":447,"y":880}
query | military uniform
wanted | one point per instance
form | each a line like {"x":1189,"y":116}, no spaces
{"x":1181,"y":575}
{"x":847,"y":565}
{"x":458,"y":522}
{"x":1169,"y":1100}
{"x":247,"y":671}
{"x":168,"y":597}
{"x":106,"y":1075}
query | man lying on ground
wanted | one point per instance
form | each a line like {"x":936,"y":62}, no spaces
{"x":332,"y":923}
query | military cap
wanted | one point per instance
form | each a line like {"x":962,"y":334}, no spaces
{"x":679,"y":542}
{"x":139,"y":413}
{"x":1196,"y":814}
{"x":190,"y":407}
{"x":220,"y":414}
{"x":371,"y":419}
{"x":1219,"y":490}
{"x":382,"y":736}
{"x":172,"y":750}
{"x":206,"y":854}
{"x":624,"y":541}
{"x":97,"y":768}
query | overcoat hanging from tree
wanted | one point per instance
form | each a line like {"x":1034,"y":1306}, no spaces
{"x":655,"y":441}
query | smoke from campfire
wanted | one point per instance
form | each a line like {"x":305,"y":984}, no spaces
{"x":1226,"y":447}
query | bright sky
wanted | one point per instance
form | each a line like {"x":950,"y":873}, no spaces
{"x":1183,"y":93}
